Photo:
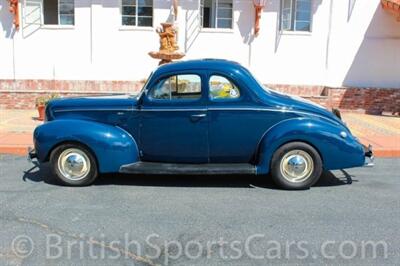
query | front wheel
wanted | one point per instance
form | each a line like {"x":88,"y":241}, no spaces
{"x":73,"y":165}
{"x":296,"y":165}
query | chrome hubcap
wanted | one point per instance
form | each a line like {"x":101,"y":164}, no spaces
{"x":296,"y":166}
{"x":73,"y":164}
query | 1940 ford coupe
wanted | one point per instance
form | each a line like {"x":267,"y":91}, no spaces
{"x":196,"y":117}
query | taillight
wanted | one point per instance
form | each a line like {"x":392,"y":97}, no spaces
{"x":336,"y":112}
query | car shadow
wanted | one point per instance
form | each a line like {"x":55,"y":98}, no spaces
{"x":39,"y":173}
{"x":42,"y":173}
{"x":234,"y":181}
{"x":329,"y":179}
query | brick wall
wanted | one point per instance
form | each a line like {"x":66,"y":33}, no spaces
{"x":368,"y":100}
{"x":21,"y":94}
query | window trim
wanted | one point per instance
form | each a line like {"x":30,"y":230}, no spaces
{"x":136,"y":27}
{"x":56,"y":27}
{"x":216,"y":29}
{"x":295,"y":32}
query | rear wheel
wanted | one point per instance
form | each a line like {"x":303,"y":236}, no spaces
{"x":73,"y":165}
{"x":296,"y":165}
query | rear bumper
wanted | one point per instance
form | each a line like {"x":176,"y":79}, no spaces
{"x":369,"y":156}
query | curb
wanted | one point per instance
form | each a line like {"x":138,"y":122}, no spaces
{"x":14,"y":150}
{"x":387,"y":153}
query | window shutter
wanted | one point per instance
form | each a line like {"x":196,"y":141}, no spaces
{"x":31,"y":16}
{"x":192,"y":27}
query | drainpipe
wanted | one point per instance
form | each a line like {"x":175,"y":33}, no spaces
{"x":91,"y":32}
{"x":249,"y":59}
{"x":13,"y":55}
{"x":328,"y":39}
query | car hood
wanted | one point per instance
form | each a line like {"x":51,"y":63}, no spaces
{"x":115,"y":101}
{"x":82,"y":105}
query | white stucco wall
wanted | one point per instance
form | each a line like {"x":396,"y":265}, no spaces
{"x":361,"y":51}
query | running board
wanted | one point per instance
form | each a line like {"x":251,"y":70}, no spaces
{"x":187,"y":169}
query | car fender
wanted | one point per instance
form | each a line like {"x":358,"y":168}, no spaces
{"x":112,"y":146}
{"x":337,"y":150}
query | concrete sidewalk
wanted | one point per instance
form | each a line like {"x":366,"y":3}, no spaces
{"x":382,"y":132}
{"x":16,"y":127}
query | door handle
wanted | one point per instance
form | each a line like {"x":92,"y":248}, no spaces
{"x":197,"y":117}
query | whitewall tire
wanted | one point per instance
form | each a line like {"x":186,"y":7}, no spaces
{"x":73,"y":165}
{"x":296,"y":165}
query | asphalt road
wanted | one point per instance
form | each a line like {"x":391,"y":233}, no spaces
{"x":349,"y":217}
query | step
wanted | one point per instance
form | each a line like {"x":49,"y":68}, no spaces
{"x":188,"y":169}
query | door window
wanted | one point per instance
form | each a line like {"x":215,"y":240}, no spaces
{"x":222,"y":88}
{"x":186,"y":86}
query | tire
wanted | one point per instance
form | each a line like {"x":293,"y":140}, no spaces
{"x":73,"y":165}
{"x":296,"y":165}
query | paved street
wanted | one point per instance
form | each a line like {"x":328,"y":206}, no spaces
{"x":178,"y":220}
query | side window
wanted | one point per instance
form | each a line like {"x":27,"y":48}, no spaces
{"x":185,"y":86}
{"x":222,"y":88}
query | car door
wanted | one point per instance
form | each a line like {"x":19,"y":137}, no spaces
{"x":236,"y":123}
{"x":174,"y":122}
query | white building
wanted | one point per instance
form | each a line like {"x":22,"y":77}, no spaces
{"x":313,"y":43}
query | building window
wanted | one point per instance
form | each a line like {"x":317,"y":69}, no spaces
{"x":61,"y":12}
{"x":216,"y":13}
{"x":137,"y":13}
{"x":296,"y":15}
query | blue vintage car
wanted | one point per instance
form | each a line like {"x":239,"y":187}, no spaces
{"x":196,"y":117}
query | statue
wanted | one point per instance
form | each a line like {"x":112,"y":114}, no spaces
{"x":167,"y":38}
{"x":168,"y":46}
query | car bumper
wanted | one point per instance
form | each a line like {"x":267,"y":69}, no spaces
{"x":369,"y":156}
{"x":31,"y":154}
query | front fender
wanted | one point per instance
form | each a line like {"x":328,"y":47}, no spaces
{"x":336,"y":152}
{"x":111,"y":145}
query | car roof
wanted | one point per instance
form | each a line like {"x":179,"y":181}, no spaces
{"x":209,"y":63}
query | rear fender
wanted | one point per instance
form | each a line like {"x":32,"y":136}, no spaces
{"x":336,"y":151}
{"x":111,"y":145}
